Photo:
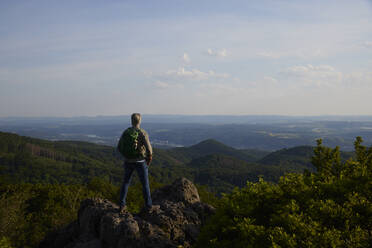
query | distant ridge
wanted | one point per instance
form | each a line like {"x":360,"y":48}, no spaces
{"x":208,"y":147}
{"x":299,"y":155}
{"x":295,"y":156}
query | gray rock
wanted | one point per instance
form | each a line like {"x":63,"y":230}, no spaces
{"x":182,"y":190}
{"x":174,"y":220}
{"x":94,"y":243}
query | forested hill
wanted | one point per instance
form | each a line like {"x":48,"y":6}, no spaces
{"x":211,"y":146}
{"x":211,"y":163}
{"x":328,"y":208}
{"x":296,"y":157}
{"x":24,"y":159}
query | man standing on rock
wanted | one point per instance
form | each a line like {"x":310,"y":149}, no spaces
{"x":135,"y":146}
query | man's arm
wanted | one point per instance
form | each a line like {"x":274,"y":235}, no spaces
{"x":148,"y":148}
{"x":119,"y":147}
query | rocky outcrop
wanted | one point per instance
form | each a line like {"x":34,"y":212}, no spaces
{"x":174,"y":220}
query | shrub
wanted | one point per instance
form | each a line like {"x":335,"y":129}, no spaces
{"x":329,"y":208}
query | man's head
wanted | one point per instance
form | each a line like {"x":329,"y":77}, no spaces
{"x":136,"y":119}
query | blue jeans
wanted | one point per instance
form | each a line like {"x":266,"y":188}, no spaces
{"x":143,"y":174}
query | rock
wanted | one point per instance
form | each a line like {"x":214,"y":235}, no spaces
{"x":174,"y":220}
{"x":94,"y":243}
{"x":181,"y":190}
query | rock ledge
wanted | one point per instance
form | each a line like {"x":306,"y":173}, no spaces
{"x":175,"y":220}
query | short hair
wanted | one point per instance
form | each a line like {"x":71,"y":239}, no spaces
{"x":136,"y":119}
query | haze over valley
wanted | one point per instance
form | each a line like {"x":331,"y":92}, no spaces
{"x":166,"y":131}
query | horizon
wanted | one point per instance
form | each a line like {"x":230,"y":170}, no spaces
{"x":179,"y":118}
{"x":259,"y":58}
{"x":185,"y":115}
{"x":207,"y":115}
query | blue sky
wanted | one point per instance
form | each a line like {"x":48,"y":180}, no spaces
{"x":74,"y":58}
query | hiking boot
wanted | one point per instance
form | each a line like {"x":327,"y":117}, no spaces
{"x":152,"y":209}
{"x":123,"y":210}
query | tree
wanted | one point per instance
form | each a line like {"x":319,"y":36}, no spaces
{"x":329,"y":208}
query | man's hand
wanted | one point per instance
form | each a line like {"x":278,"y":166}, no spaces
{"x":149,"y":159}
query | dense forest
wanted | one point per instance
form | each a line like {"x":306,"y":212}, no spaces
{"x":210,"y":163}
{"x":296,"y":197}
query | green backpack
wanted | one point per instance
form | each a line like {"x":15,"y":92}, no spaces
{"x":128,"y":144}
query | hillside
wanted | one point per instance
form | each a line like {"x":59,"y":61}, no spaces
{"x":210,"y":163}
{"x":211,"y":146}
{"x":30,"y":211}
{"x":299,"y":157}
{"x":222,"y":172}
{"x":24,"y":159}
{"x":296,"y":158}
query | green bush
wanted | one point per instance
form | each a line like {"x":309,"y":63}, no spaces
{"x":329,"y":208}
{"x":29,"y":211}
{"x":5,"y":243}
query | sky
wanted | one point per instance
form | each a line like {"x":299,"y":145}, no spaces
{"x":88,"y":58}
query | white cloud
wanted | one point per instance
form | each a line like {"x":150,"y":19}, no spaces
{"x":323,"y":75}
{"x":220,"y":53}
{"x":161,"y":85}
{"x":268,"y":79}
{"x":195,"y":74}
{"x":358,"y":80}
{"x":270,"y":55}
{"x":186,"y":58}
{"x":300,"y":70}
{"x":303,"y":77}
{"x":164,"y":85}
{"x":219,"y":89}
{"x":294,"y":53}
{"x":367,"y":44}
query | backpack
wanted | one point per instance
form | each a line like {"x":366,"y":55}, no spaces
{"x":128,"y":144}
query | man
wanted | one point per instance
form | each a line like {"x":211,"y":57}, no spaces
{"x":135,"y":146}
